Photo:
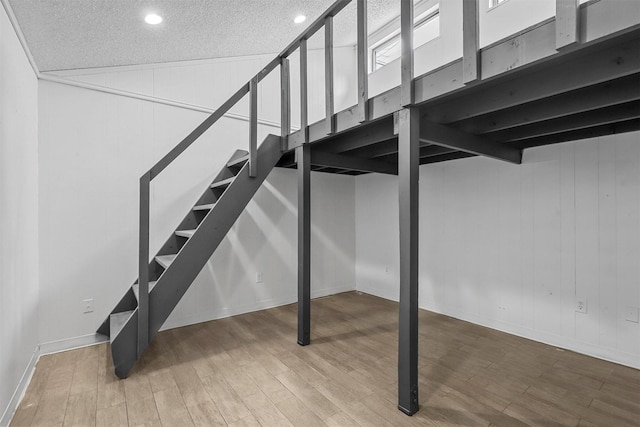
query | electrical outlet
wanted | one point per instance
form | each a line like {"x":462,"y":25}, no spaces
{"x":631,"y":314}
{"x":259,"y":278}
{"x":581,"y":305}
{"x":87,"y":305}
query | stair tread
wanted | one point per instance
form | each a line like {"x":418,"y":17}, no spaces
{"x":238,"y":161}
{"x":165,"y":260}
{"x":223,"y":182}
{"x":185,"y":233}
{"x":117,"y":322}
{"x":136,"y":289}
{"x":206,"y":207}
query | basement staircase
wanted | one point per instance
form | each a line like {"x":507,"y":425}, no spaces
{"x":185,"y":252}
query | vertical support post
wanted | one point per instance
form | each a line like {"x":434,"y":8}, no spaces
{"x":143,"y":264}
{"x":470,"y":52}
{"x":253,"y":127}
{"x":362,"y":51}
{"x":567,"y":23}
{"x":285,"y":102}
{"x":304,"y":114}
{"x":406,"y":60}
{"x":408,"y":175}
{"x":303,"y":154}
{"x":328,"y":74}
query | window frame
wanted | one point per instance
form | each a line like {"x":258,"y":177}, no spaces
{"x":395,"y":36}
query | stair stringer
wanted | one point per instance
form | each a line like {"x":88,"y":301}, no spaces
{"x":124,"y":346}
{"x":195,"y":253}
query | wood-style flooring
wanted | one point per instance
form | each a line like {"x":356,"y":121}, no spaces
{"x":248,"y":371}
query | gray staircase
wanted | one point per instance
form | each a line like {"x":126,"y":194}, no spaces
{"x":187,"y":250}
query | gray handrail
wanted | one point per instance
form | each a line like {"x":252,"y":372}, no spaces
{"x":250,"y":88}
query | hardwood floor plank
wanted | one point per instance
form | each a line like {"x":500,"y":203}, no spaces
{"x":308,"y":395}
{"x":171,"y":408}
{"x":206,"y":414}
{"x":226,"y":399}
{"x":112,"y":416}
{"x":81,"y":409}
{"x":266,"y":411}
{"x":137,"y":387}
{"x":52,"y":407}
{"x":298,"y":414}
{"x":248,"y":371}
{"x":143,"y":412}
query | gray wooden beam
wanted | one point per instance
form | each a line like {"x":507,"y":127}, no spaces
{"x":362,"y":54}
{"x":329,"y":99}
{"x":303,"y":157}
{"x":631,"y":125}
{"x":605,"y":94}
{"x":360,"y":164}
{"x":304,"y":107}
{"x":447,"y":136}
{"x":408,"y":177}
{"x":381,"y":130}
{"x":603,"y":116}
{"x":406,"y":58}
{"x":567,"y":23}
{"x":470,"y":44}
{"x":143,"y":265}
{"x":579,"y":70}
{"x":285,"y":102}
{"x":253,"y":127}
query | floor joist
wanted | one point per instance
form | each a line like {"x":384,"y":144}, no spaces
{"x":340,"y":161}
{"x":449,"y":137}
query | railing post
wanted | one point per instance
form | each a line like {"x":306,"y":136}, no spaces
{"x":470,"y":56}
{"x":362,"y":53}
{"x":328,"y":75}
{"x":406,"y":60}
{"x":143,"y":264}
{"x":285,"y":102}
{"x":253,"y":127}
{"x":304,"y":114}
{"x":567,"y":23}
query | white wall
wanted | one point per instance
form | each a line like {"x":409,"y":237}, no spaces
{"x":18,"y":213}
{"x":93,"y":149}
{"x":512,"y":246}
{"x":209,"y":83}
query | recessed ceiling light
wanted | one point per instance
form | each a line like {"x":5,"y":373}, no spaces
{"x":153,"y":19}
{"x":300,"y":19}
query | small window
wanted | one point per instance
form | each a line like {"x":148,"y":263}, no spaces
{"x":426,"y":27}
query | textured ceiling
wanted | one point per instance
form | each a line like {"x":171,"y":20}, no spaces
{"x":72,"y":34}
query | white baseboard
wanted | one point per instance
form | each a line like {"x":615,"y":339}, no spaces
{"x":71,"y":343}
{"x":18,"y":394}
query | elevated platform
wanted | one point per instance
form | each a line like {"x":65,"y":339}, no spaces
{"x":528,"y":94}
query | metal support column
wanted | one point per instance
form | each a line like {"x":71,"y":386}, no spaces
{"x":408,"y":162}
{"x":303,"y":155}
